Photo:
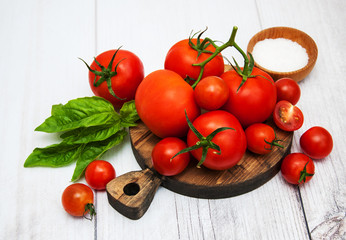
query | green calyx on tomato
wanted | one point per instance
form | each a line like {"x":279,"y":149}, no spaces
{"x":200,"y":47}
{"x":105,"y":74}
{"x":304,"y":174}
{"x":89,"y":208}
{"x":248,"y":63}
{"x":204,"y":142}
{"x":273,"y":143}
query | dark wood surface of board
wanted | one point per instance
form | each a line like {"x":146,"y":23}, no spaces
{"x":251,"y":171}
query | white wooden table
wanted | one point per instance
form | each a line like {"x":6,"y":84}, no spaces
{"x":39,"y":48}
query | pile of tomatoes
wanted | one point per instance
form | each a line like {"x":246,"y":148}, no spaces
{"x":208,"y":114}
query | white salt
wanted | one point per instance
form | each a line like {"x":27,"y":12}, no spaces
{"x":280,"y":54}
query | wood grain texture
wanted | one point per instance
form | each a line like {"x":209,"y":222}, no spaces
{"x":249,"y":173}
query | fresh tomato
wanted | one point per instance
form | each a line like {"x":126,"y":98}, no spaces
{"x":287,"y":116}
{"x":287,"y":89}
{"x":163,"y":152}
{"x":161,"y":101}
{"x":116,"y":79}
{"x":297,"y":168}
{"x":316,"y":142}
{"x":181,"y":56}
{"x":77,"y":200}
{"x":254,"y":101}
{"x":98,"y":173}
{"x":261,"y":138}
{"x":232,"y":142}
{"x":211,"y":93}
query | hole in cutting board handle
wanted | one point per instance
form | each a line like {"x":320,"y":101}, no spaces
{"x":131,"y":189}
{"x":131,"y":193}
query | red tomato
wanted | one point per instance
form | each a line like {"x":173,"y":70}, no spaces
{"x":232,"y":143}
{"x":287,"y":89}
{"x":261,"y":138}
{"x":297,"y":168}
{"x":161,"y":101}
{"x":211,"y":93}
{"x":129,"y":74}
{"x":163,"y":152}
{"x":254,"y":102}
{"x":98,"y":173}
{"x":181,"y":57}
{"x":77,"y":200}
{"x":316,"y":142}
{"x":287,"y":116}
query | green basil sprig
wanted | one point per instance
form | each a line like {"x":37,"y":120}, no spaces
{"x":89,"y":127}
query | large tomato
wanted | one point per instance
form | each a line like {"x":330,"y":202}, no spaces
{"x":123,"y":77}
{"x":232,"y":143}
{"x":161,"y":101}
{"x":181,"y":56}
{"x":255,"y":100}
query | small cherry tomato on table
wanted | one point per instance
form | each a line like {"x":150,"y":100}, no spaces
{"x":98,"y":173}
{"x":77,"y":200}
{"x":316,"y":142}
{"x":297,"y":168}
{"x":211,"y":93}
{"x":162,"y":156}
{"x":261,"y":138}
{"x":287,"y":116}
{"x":287,"y":89}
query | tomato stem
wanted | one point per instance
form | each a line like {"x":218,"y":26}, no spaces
{"x":89,"y":208}
{"x":304,"y":174}
{"x":105,"y":74}
{"x":218,"y":49}
{"x":204,"y":142}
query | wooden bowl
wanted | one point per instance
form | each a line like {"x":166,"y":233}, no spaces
{"x":295,"y":35}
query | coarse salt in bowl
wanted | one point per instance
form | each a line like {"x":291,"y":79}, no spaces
{"x":284,"y":52}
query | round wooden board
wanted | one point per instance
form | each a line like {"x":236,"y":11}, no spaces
{"x":251,"y":172}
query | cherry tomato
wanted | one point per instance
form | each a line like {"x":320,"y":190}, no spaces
{"x":261,"y":138}
{"x":162,"y":156}
{"x":287,"y":116}
{"x":316,"y":142}
{"x":181,"y":56}
{"x":232,"y":142}
{"x":128,"y":73}
{"x":98,"y":173}
{"x":77,"y":200}
{"x":287,"y":89}
{"x":211,"y":93}
{"x":254,"y":101}
{"x":297,"y":168}
{"x":161,"y":101}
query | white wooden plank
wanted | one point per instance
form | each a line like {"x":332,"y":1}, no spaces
{"x":40,"y":43}
{"x":322,"y":102}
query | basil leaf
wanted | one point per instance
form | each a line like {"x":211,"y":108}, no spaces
{"x":92,"y":134}
{"x":94,"y":150}
{"x":56,"y":155}
{"x":128,"y":114}
{"x":80,"y":112}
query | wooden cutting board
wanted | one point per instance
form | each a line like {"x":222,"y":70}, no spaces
{"x":131,"y":193}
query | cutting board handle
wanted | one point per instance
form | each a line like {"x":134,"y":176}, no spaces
{"x":132,"y":193}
